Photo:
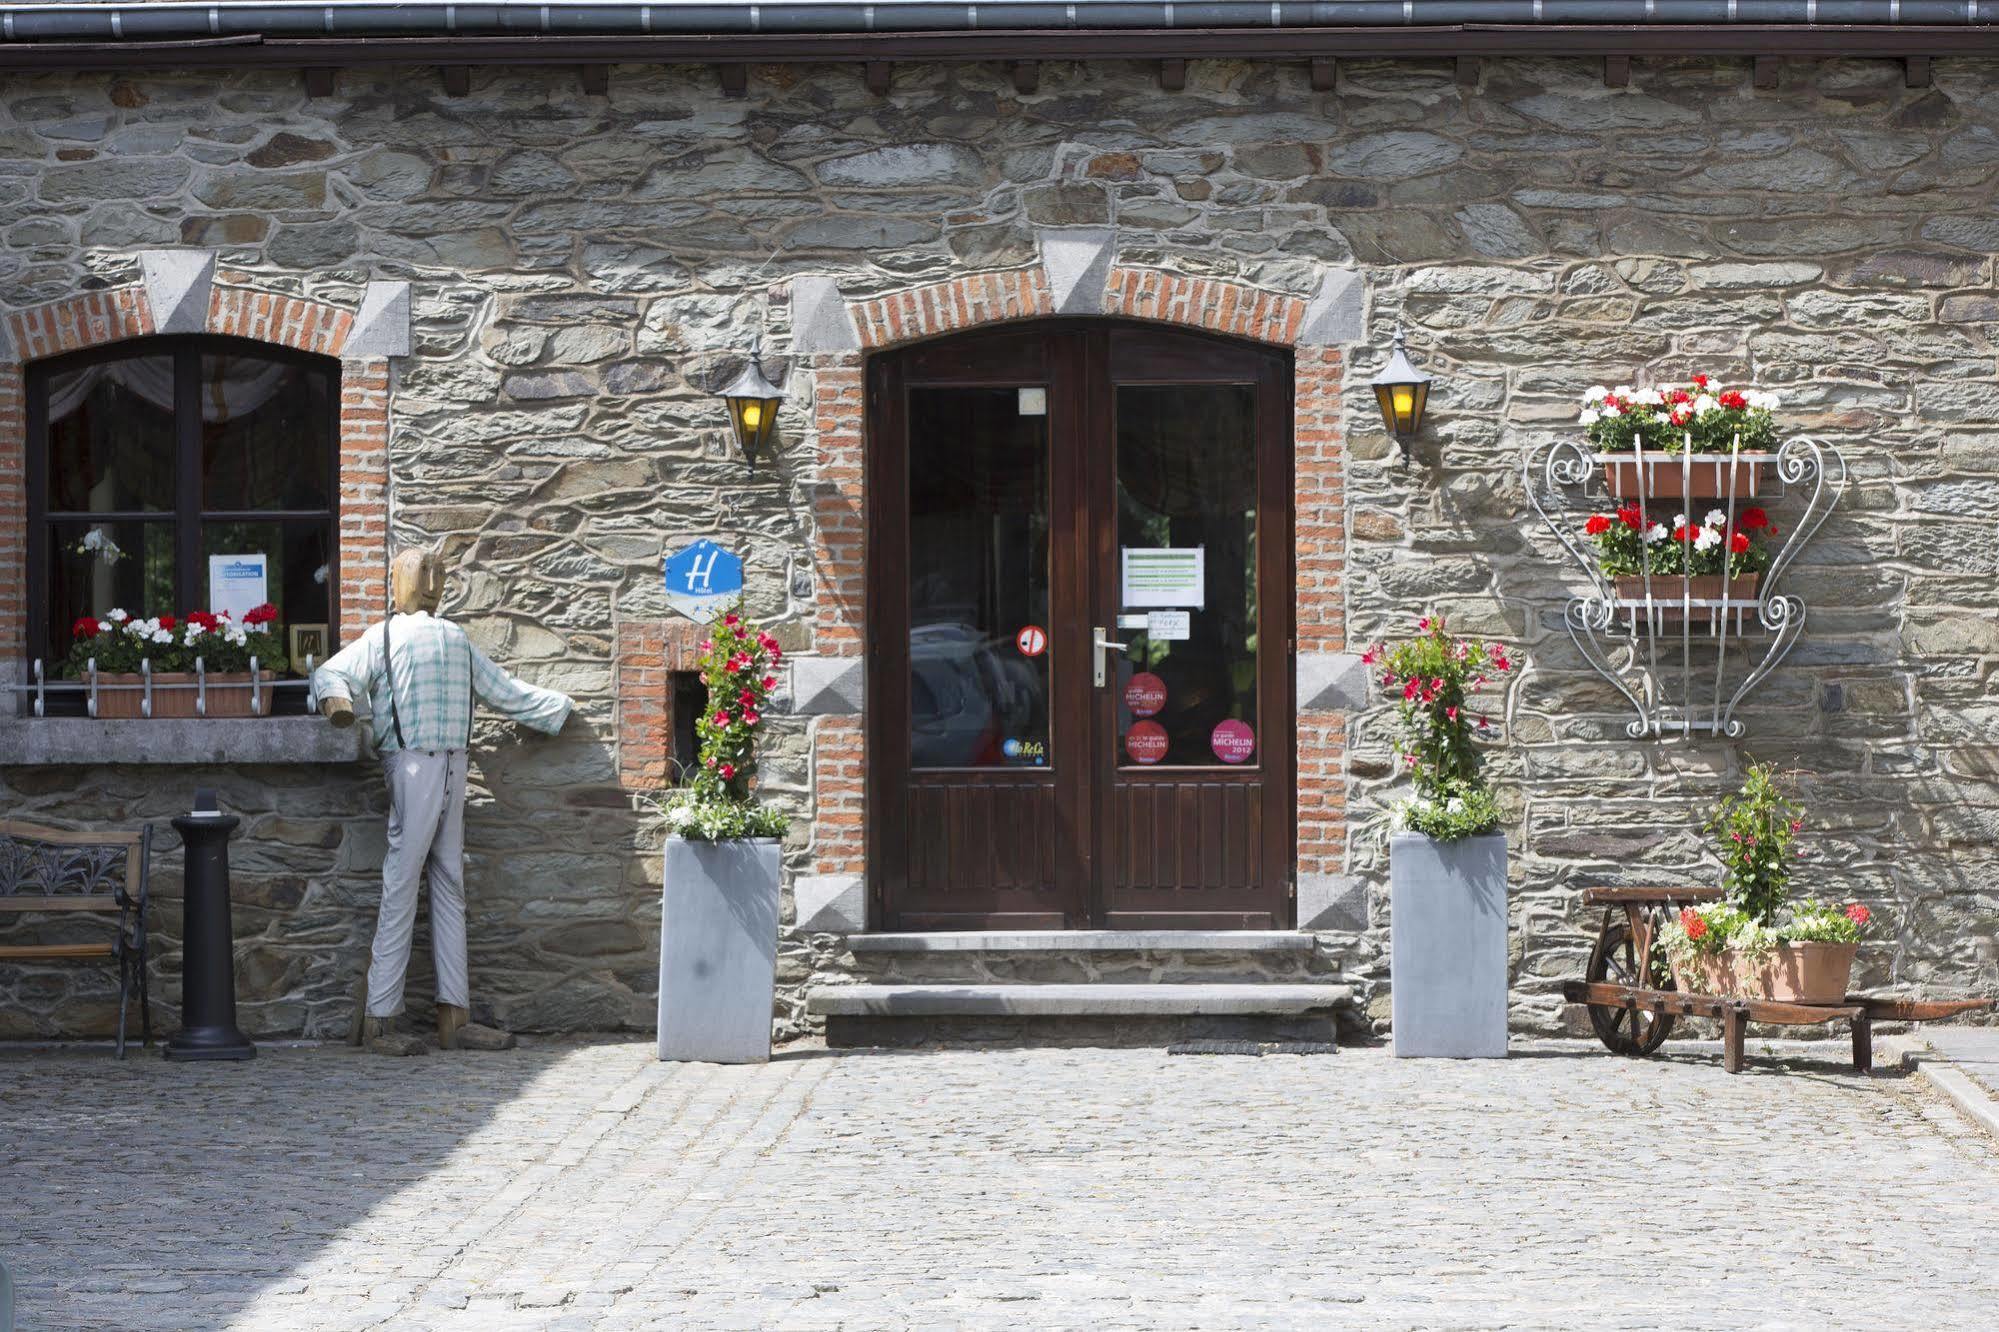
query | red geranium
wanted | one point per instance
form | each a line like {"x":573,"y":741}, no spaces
{"x":1739,"y":543}
{"x":1700,"y":381}
{"x":1692,"y":923}
{"x":1753,"y":519}
{"x":85,"y":627}
{"x":263,"y":614}
{"x":167,"y":622}
{"x":209,"y":623}
{"x":1858,"y":914}
{"x":1598,"y":524}
{"x":1631,"y":517}
{"x":1732,"y":399}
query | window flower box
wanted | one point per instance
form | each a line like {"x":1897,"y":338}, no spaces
{"x":1669,"y":478}
{"x":227,"y":694}
{"x":1668,"y":590}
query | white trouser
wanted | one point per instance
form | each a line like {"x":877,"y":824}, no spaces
{"x":426,"y":827}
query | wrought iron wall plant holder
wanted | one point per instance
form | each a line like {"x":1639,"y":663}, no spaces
{"x":1665,"y":644}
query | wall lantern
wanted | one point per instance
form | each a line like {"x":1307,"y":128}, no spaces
{"x":1402,"y":390}
{"x":753,"y":401}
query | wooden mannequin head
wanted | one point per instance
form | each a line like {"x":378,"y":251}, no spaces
{"x":416,"y":582}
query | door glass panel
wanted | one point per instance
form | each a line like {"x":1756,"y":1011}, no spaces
{"x":111,"y":437}
{"x":1186,"y":523}
{"x":978,"y":578}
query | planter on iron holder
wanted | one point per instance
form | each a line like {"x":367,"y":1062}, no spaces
{"x":718,"y":950}
{"x":1447,"y":942}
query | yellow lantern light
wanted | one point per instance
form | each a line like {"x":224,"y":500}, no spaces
{"x":753,"y":402}
{"x":1402,"y":391}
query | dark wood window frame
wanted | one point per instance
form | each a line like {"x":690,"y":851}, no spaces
{"x":187,"y":515}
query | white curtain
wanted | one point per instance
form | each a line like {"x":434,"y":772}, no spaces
{"x":242,"y":386}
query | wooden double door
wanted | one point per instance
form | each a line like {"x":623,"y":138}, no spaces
{"x":1079,"y":610}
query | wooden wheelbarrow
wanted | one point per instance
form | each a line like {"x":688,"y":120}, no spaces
{"x":1632,"y":998}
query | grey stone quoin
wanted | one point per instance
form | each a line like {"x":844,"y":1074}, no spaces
{"x":577,"y":264}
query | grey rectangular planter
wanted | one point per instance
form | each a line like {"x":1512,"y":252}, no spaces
{"x":718,"y":950}
{"x":1447,"y":940}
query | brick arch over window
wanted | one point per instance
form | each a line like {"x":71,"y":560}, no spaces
{"x":1210,"y":304}
{"x":91,"y":319}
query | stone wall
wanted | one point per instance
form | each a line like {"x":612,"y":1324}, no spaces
{"x":585,"y":268}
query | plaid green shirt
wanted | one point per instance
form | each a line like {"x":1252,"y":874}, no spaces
{"x":437,"y":672}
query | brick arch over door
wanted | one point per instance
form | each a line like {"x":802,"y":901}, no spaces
{"x":981,"y":299}
{"x":91,"y":319}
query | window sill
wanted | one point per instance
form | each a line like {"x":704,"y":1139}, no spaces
{"x":180,"y":741}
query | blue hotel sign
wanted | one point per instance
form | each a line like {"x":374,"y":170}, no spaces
{"x":703,"y":580}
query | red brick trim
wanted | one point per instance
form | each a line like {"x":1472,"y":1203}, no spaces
{"x":90,"y":319}
{"x":648,"y":651}
{"x":1212,"y":304}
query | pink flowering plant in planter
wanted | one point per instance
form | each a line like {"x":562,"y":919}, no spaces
{"x":1432,"y":678}
{"x":738,"y":665}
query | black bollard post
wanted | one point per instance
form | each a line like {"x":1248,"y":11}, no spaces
{"x":208,"y":963}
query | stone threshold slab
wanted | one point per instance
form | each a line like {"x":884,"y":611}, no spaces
{"x":1085,"y":941}
{"x":1071,"y":1000}
{"x":181,"y":741}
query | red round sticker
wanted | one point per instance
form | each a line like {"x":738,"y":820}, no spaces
{"x":1145,"y":694}
{"x":1233,"y":741}
{"x":1145,"y":742}
{"x":1032,"y":641}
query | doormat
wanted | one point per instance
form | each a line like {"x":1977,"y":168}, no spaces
{"x":1254,"y":1048}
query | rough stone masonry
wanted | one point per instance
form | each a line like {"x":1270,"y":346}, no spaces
{"x":583,"y":269}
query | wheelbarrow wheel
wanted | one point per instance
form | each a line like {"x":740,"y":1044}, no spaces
{"x":1626,"y":1031}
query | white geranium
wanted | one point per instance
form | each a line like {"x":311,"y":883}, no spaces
{"x":116,"y":615}
{"x":1596,"y":395}
{"x":1650,"y":397}
{"x":1590,"y":417}
{"x":1716,"y":518}
{"x":1621,"y":391}
{"x":1655,"y":534}
{"x":1762,"y":399}
{"x":1705,"y":403}
{"x":1707,"y":539}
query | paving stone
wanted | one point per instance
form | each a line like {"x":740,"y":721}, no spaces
{"x":587,"y":1186}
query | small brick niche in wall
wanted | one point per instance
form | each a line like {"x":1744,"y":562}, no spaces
{"x":659,"y":696}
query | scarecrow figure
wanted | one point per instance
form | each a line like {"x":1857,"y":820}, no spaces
{"x":419,"y":673}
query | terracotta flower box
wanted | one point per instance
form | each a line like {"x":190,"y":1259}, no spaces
{"x":1797,"y":973}
{"x":228,"y":695}
{"x":1668,"y":589}
{"x":1707,"y":477}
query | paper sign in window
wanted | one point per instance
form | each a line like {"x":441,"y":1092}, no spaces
{"x":1164,"y":576}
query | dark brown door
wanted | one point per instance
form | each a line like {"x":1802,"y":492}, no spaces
{"x":1079,"y":593}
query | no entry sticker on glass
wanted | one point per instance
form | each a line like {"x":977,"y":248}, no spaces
{"x":1032,"y":641}
{"x":1145,"y":694}
{"x":1145,"y":742}
{"x":1233,"y":741}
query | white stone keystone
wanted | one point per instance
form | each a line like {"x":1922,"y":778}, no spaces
{"x":1077,"y":262}
{"x":382,"y":326}
{"x":1337,"y":311}
{"x":177,"y":286}
{"x":820,"y":319}
{"x":827,"y":686}
{"x":1331,"y":682}
{"x":830,"y":903}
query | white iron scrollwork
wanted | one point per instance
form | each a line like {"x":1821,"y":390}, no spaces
{"x":1629,"y":638}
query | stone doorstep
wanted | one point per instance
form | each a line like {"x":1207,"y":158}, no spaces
{"x":1086,"y":941}
{"x":1063,"y":1000}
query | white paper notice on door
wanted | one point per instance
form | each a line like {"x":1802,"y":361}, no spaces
{"x":1164,"y":576}
{"x":1169,"y":626}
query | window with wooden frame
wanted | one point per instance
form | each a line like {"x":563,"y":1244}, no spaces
{"x":147,"y":458}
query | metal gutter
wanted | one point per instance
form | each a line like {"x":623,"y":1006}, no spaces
{"x":359,"y":19}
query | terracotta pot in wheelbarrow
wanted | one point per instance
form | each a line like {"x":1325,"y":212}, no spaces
{"x":1799,"y":973}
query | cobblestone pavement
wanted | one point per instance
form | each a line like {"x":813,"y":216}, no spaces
{"x":587,"y":1187}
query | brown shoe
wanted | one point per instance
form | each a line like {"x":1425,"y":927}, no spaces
{"x":389,"y":1036}
{"x":457,"y":1031}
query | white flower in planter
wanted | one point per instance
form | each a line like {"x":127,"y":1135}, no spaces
{"x":1708,"y":539}
{"x":1655,"y":534}
{"x":1591,"y":417}
{"x":1705,"y":403}
{"x":1596,"y":395}
{"x":1716,"y":518}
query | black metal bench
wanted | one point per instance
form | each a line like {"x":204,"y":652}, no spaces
{"x":52,"y":871}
